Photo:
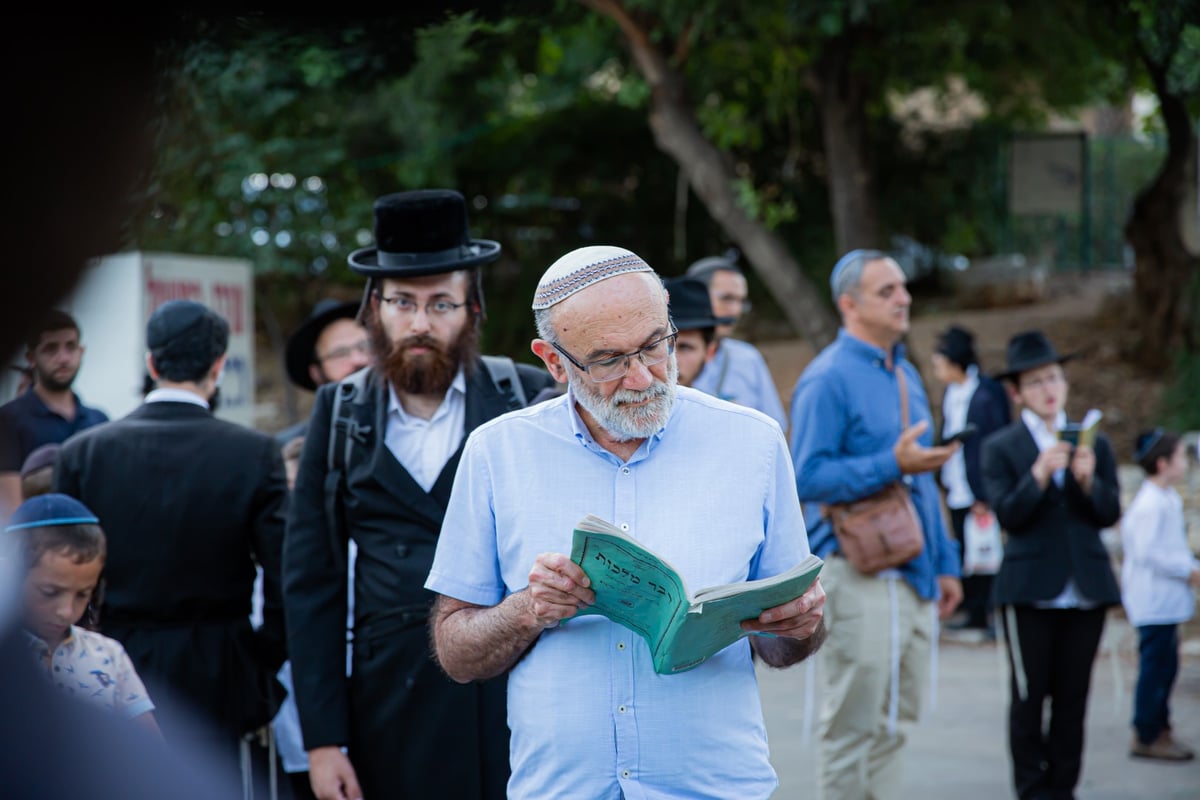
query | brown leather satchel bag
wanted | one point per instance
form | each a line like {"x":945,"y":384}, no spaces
{"x":882,"y":530}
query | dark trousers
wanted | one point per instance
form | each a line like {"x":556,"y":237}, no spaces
{"x":417,"y":734}
{"x":977,"y":589}
{"x":1158,"y":664}
{"x":1051,"y":654}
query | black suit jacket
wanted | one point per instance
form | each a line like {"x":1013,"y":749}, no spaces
{"x":395,"y":524}
{"x":989,"y":412}
{"x":189,"y":503}
{"x":1053,"y":534}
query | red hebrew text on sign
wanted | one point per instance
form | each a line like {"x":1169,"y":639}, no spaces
{"x":229,"y":300}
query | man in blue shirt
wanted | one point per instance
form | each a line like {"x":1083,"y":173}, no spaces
{"x":589,"y":715}
{"x":737,"y":371}
{"x":848,"y":443}
{"x":49,"y":412}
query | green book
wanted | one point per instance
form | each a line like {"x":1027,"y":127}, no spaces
{"x":640,"y":590}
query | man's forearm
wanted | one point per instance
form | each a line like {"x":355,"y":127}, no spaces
{"x":474,"y":643}
{"x":785,"y":651}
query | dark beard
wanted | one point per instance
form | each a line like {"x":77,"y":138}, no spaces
{"x":48,"y":382}
{"x":430,"y":373}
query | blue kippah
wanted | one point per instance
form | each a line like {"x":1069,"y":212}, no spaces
{"x":841,"y":264}
{"x":46,"y":510}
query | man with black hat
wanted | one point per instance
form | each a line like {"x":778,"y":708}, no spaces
{"x":691,"y":311}
{"x":190,"y":504}
{"x":736,"y":371}
{"x":330,"y":345}
{"x":378,"y":463}
{"x":1053,"y":497}
{"x":975,"y":401}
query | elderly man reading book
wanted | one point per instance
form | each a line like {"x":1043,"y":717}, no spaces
{"x":589,"y":715}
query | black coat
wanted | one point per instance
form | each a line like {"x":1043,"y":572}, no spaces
{"x":412,"y":732}
{"x":1053,"y":534}
{"x":989,"y":412}
{"x":189,"y":503}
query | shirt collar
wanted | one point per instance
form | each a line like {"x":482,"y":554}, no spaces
{"x":39,"y":646}
{"x":458,"y":385}
{"x":867,"y":351}
{"x":1037,"y":426}
{"x":584,"y":436}
{"x":968,"y":386}
{"x":170,"y":394}
{"x":41,"y":409}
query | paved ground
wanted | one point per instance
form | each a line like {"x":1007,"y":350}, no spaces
{"x":960,"y":751}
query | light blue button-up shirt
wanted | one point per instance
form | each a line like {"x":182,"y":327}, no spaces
{"x":738,"y":373}
{"x":712,"y":492}
{"x":845,"y":422}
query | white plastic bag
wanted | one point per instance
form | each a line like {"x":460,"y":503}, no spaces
{"x":982,"y":548}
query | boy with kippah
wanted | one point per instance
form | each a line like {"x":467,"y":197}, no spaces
{"x":1158,"y":574}
{"x":64,"y":548}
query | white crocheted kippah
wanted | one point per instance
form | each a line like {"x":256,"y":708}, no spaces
{"x":581,"y":268}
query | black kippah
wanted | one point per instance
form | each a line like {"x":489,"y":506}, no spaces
{"x":185,"y":338}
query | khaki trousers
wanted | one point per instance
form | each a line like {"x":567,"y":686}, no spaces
{"x":875,"y":673}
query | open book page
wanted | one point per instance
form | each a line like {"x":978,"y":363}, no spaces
{"x":715,"y":616}
{"x":1082,"y":433}
{"x":633,"y":586}
{"x":641,"y":591}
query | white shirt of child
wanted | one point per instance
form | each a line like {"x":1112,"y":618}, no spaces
{"x":95,"y":668}
{"x":1156,"y":562}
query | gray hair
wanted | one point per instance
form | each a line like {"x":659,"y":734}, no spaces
{"x":847,"y":272}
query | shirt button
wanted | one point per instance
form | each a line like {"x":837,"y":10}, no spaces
{"x":624,"y":773}
{"x":621,"y":709}
{"x":620,"y":645}
{"x":625,"y":470}
{"x":624,"y":526}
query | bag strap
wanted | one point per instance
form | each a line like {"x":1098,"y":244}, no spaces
{"x":503,"y":373}
{"x":344,"y":431}
{"x":902,"y":382}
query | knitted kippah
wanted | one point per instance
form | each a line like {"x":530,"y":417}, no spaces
{"x":581,"y":268}
{"x":46,"y":510}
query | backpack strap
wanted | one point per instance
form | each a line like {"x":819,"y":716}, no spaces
{"x":503,"y":373}
{"x":344,"y":431}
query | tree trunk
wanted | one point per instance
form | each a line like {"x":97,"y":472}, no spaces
{"x":677,"y":133}
{"x":841,"y":99}
{"x":1164,"y":269}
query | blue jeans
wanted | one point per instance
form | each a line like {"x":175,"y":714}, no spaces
{"x":1158,"y":664}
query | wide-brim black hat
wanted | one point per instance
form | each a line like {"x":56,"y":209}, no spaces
{"x":421,"y":233}
{"x":690,"y":306}
{"x":301,"y":345}
{"x":1030,"y":350}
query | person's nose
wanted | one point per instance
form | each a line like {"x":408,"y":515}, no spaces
{"x":419,"y":321}
{"x":360,"y":357}
{"x":639,"y":376}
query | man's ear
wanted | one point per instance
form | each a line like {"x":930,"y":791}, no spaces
{"x":315,"y":373}
{"x":150,"y":366}
{"x":846,"y":304}
{"x":551,"y":358}
{"x":218,"y":365}
{"x":710,"y":352}
{"x":1013,"y":393}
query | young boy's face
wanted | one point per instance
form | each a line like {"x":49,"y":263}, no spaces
{"x":57,"y":591}
{"x":1174,"y":469}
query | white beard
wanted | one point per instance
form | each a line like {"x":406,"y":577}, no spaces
{"x":623,"y":422}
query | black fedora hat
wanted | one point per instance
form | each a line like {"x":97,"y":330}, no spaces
{"x":1029,"y":350}
{"x":301,"y":345}
{"x":421,"y":233}
{"x":690,"y":305}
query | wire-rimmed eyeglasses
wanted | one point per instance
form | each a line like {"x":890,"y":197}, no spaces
{"x":614,"y":367}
